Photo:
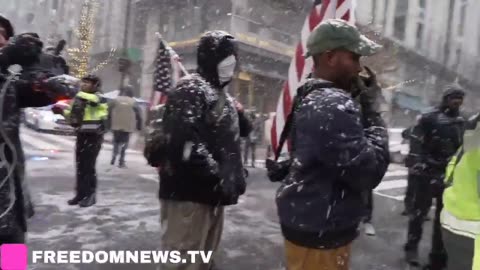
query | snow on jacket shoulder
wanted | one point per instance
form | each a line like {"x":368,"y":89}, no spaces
{"x":336,"y":161}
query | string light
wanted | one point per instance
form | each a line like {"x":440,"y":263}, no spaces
{"x":105,"y":62}
{"x":80,"y":57}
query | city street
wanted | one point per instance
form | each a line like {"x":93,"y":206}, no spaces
{"x":126,"y":216}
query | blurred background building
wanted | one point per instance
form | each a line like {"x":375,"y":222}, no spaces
{"x":266,"y":40}
{"x":433,"y":43}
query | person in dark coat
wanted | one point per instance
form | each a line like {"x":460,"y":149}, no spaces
{"x":19,"y":89}
{"x":340,"y":152}
{"x":201,"y":170}
{"x":439,"y":134}
{"x":407,"y":135}
{"x":252,"y":140}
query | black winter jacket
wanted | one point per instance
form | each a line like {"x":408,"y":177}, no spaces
{"x":336,"y":160}
{"x":434,"y":140}
{"x":202,"y":160}
{"x":15,"y":203}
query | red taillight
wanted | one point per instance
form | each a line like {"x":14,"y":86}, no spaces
{"x":63,"y":102}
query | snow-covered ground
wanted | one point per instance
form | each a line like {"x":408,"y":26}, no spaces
{"x":126,"y":216}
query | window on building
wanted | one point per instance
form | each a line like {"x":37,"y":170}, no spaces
{"x":422,"y":3}
{"x":478,"y":42}
{"x":458,"y":57}
{"x":69,"y":36}
{"x":254,"y":27}
{"x":400,"y":20}
{"x":420,"y":31}
{"x":61,"y":11}
{"x":461,"y":18}
{"x":55,"y":4}
{"x":44,"y":6}
{"x":419,"y":37}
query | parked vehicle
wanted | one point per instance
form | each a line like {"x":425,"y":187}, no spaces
{"x":399,"y":148}
{"x":43,"y":119}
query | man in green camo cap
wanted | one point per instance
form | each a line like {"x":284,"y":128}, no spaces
{"x":340,"y":148}
{"x":339,"y":45}
{"x":338,"y":34}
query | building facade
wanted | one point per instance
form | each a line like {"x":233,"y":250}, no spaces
{"x":54,"y":20}
{"x":266,"y":31}
{"x":434,"y":43}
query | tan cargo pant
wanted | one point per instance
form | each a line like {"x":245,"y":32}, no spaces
{"x":190,"y":226}
{"x":302,"y":258}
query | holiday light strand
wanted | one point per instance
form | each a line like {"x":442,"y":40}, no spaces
{"x":80,"y":57}
{"x":105,"y":62}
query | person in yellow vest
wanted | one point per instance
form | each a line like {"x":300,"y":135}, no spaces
{"x":88,"y":115}
{"x":460,"y":217}
{"x":124,"y":118}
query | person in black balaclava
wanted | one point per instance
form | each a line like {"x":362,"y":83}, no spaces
{"x":438,"y":135}
{"x":201,"y":170}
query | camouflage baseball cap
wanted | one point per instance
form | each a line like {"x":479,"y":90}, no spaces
{"x":338,"y":34}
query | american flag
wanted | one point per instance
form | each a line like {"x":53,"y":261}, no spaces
{"x":166,"y":74}
{"x":301,"y":67}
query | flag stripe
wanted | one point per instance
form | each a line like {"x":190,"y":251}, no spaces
{"x":300,"y":61}
{"x":287,"y":100}
{"x":301,"y":67}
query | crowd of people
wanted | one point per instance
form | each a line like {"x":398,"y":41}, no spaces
{"x":338,"y":155}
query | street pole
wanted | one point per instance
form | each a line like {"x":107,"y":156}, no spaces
{"x":125,"y":43}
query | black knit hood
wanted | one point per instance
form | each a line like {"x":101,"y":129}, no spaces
{"x":5,"y":23}
{"x":453,"y":90}
{"x":213,"y":48}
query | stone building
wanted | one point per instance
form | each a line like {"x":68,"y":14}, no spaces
{"x":430,"y":44}
{"x":266,"y":30}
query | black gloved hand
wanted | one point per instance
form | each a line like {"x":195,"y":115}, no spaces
{"x":370,"y":92}
{"x":57,"y":110}
{"x":23,"y":50}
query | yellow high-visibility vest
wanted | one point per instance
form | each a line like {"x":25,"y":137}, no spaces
{"x":461,"y":213}
{"x":95,"y":114}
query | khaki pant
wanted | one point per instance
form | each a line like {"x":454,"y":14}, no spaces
{"x":190,"y":226}
{"x":302,"y":258}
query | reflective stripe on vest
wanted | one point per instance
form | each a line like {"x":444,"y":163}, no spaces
{"x":92,"y":125}
{"x":457,"y":226}
{"x":461,"y":212}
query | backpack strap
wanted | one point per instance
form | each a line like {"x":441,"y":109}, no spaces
{"x":289,"y":122}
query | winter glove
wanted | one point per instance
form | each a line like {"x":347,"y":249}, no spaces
{"x":370,"y":93}
{"x":239,"y":106}
{"x":57,"y":110}
{"x":23,"y":50}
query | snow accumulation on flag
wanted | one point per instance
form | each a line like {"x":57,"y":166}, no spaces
{"x":166,"y":74}
{"x":301,"y":67}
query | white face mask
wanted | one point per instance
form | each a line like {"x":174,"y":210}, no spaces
{"x":226,"y":69}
